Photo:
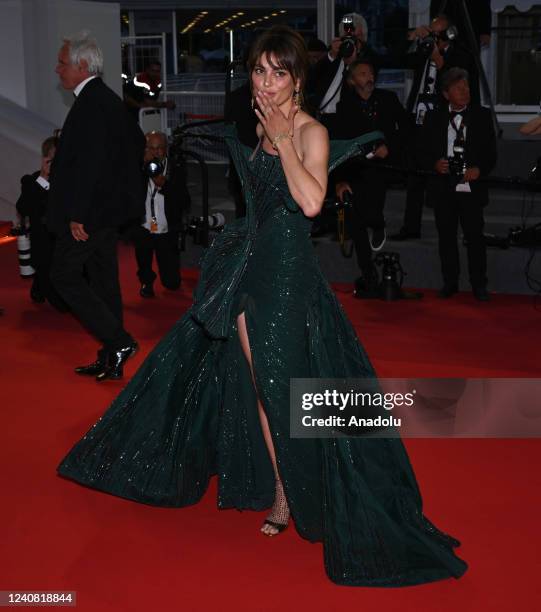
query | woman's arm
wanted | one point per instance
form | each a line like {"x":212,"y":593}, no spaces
{"x":307,"y":180}
{"x":531,"y":128}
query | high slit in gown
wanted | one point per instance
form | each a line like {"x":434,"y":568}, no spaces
{"x":190,"y":411}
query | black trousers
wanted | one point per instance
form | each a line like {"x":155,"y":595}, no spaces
{"x":167,"y":255}
{"x":448,"y":211}
{"x":369,"y":191}
{"x":415,"y":201}
{"x":416,"y":188}
{"x":85,"y":274}
{"x":41,"y":253}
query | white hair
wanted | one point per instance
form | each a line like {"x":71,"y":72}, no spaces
{"x":358,"y":21}
{"x":83,"y":47}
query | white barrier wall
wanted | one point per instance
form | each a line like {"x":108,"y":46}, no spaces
{"x":31,"y":33}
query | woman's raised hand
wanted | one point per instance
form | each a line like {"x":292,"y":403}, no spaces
{"x":271,"y":117}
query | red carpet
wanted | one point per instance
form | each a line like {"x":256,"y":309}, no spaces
{"x":121,"y":556}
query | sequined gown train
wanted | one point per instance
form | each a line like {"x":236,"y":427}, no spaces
{"x":190,"y":411}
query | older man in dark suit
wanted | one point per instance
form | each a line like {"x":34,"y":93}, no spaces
{"x":95,"y":187}
{"x":459,"y":143}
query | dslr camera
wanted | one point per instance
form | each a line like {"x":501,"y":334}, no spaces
{"x":349,"y":40}
{"x":426,"y":45}
{"x":154,"y":167}
{"x":457,"y":162}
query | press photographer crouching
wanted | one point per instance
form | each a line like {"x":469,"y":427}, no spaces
{"x":32,"y":205}
{"x":365,"y":108}
{"x":166,"y":198}
{"x":432,"y":50}
{"x":459,"y":143}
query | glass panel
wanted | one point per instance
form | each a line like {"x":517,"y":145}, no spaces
{"x":519,"y":56}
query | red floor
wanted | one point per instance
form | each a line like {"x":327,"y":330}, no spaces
{"x":120,"y":556}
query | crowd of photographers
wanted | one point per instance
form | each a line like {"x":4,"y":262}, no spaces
{"x":443,"y":137}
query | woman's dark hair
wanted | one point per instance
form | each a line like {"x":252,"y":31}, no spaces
{"x":287,"y":49}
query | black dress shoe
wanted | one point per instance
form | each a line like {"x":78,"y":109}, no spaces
{"x":448,"y":291}
{"x":481,"y":294}
{"x":147,"y":291}
{"x":403,"y":234}
{"x":116,"y":361}
{"x":91,"y":369}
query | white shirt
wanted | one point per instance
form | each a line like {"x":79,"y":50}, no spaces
{"x":79,"y":87}
{"x":159,"y":208}
{"x":333,"y":87}
{"x":42,"y":182}
{"x":451,"y":137}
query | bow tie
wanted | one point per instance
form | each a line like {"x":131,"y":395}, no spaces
{"x":454,"y":114}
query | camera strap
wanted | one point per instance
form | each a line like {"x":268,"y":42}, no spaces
{"x":335,"y":93}
{"x":153,"y":218}
{"x":458,"y":129}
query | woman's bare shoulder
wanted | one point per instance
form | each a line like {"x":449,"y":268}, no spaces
{"x":310,"y":128}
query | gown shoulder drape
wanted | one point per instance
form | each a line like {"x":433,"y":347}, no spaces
{"x":190,"y":411}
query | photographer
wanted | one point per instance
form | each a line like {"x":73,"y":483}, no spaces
{"x":364,"y":108}
{"x":459,"y":143}
{"x":480,"y":14}
{"x":433,"y":50}
{"x":32,"y":204}
{"x":166,"y":197}
{"x":328,"y":76}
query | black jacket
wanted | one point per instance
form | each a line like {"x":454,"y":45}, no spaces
{"x":96,"y":172}
{"x":481,"y":150}
{"x":32,"y":202}
{"x":388,"y":116}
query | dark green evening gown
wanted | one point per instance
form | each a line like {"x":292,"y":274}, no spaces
{"x":190,"y":411}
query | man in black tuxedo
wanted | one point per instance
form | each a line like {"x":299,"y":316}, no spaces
{"x":364,"y":108}
{"x":95,"y":187}
{"x":459,"y":143}
{"x":426,"y":95}
{"x":166,"y":197}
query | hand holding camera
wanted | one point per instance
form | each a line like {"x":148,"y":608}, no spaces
{"x":442,"y":166}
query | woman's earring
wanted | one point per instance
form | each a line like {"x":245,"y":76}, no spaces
{"x":297,"y":98}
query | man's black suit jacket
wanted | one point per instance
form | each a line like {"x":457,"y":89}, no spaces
{"x":32,"y":202}
{"x":96,"y":173}
{"x":350,"y":122}
{"x":389,"y":118}
{"x":481,"y":150}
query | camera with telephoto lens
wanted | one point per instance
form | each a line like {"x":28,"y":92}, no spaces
{"x":154,"y":167}
{"x":349,"y":40}
{"x":197,"y":226}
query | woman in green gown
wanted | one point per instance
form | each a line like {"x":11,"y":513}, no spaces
{"x":213,"y":395}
